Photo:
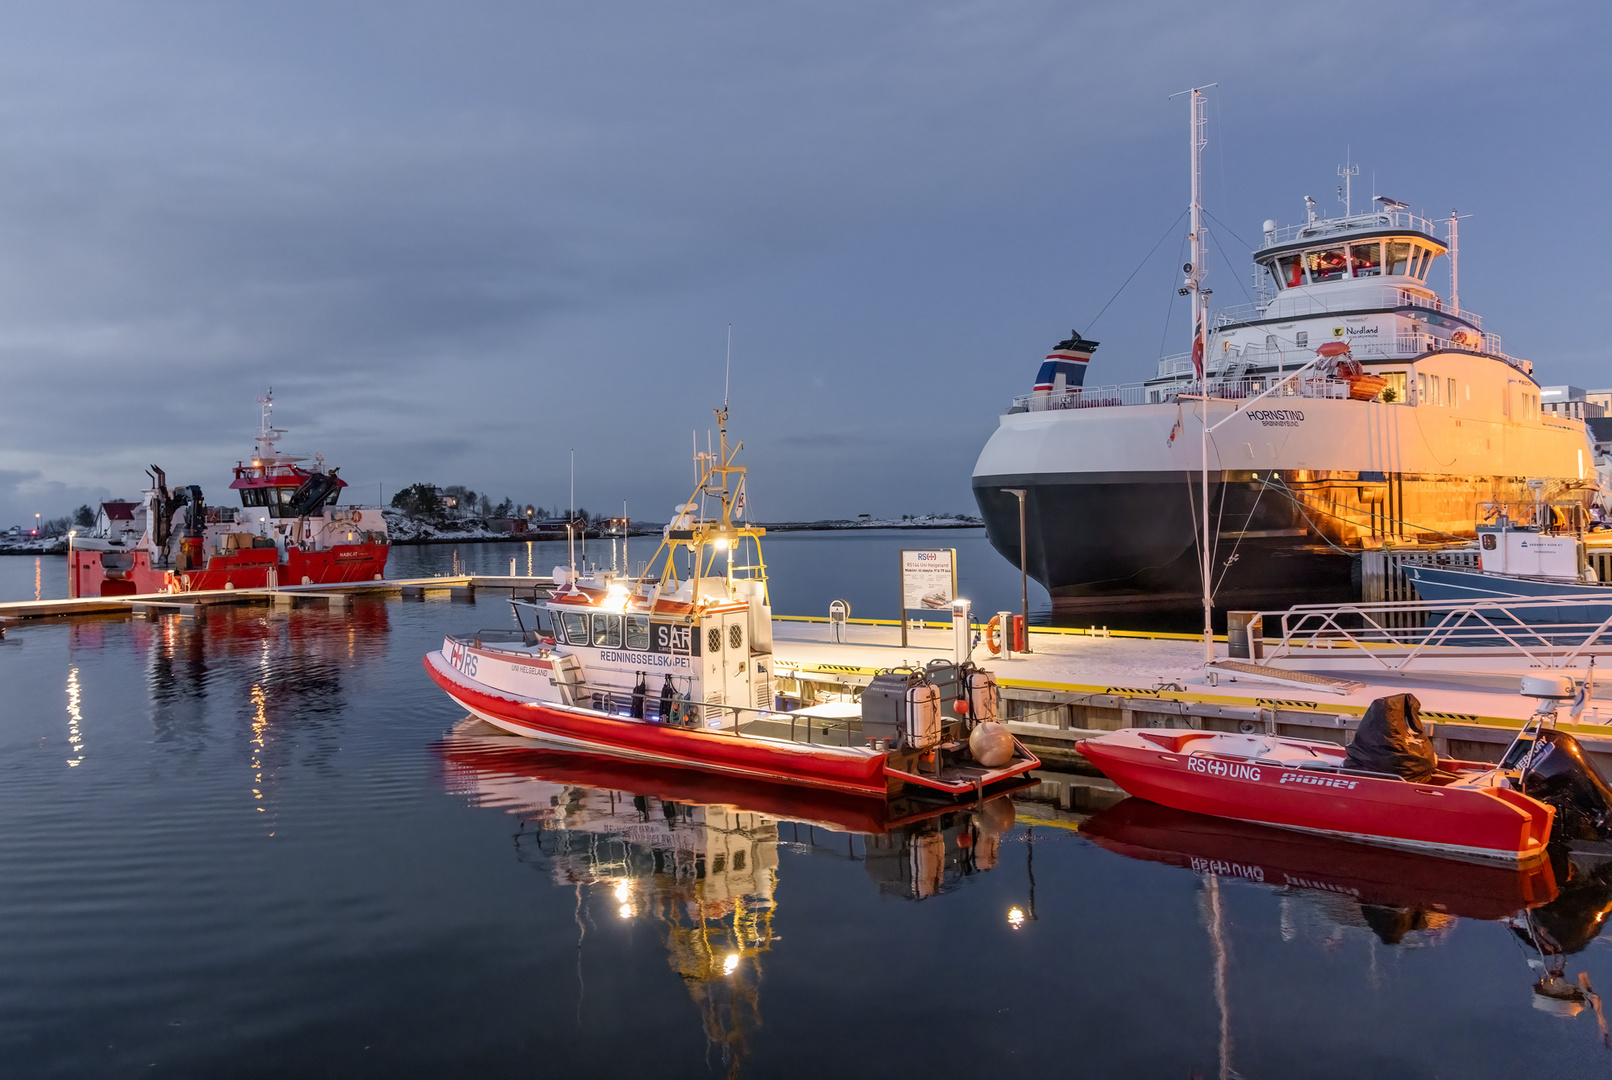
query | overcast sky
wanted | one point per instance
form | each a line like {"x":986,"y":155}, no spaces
{"x":461,"y":239}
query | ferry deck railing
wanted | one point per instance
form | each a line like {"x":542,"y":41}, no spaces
{"x":1546,"y":632}
{"x":1293,"y":305}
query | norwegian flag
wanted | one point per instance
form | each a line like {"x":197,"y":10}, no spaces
{"x":1175,"y":429}
{"x":1198,"y":346}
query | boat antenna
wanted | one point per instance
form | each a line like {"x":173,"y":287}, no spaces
{"x":727,"y":376}
{"x":1455,"y":279}
{"x":1345,"y":191}
{"x":571,"y":516}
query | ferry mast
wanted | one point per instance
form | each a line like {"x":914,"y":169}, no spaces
{"x":1196,"y":271}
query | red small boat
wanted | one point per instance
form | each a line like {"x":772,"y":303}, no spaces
{"x":580,"y":677}
{"x":288,"y":530}
{"x":1467,"y":808}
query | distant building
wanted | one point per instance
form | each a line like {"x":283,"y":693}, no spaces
{"x":1572,"y":402}
{"x":1601,"y":399}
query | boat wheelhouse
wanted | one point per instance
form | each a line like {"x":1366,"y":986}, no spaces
{"x":1386,"y":415}
{"x":676,"y":667}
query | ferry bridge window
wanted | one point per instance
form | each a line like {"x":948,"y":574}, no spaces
{"x":1426,"y":260}
{"x":607,"y":631}
{"x":638,"y":632}
{"x":1289,"y":271}
{"x":1367,"y":258}
{"x":576,"y":627}
{"x":1326,"y":265}
{"x":254,"y":497}
{"x":1398,"y":256}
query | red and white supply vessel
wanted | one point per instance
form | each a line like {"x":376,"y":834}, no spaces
{"x":288,"y":530}
{"x":1388,"y":787}
{"x":676,"y":666}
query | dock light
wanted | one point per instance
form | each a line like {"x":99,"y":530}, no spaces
{"x":1016,"y":917}
{"x":730,"y":963}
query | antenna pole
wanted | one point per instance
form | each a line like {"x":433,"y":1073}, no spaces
{"x":727,"y":376}
{"x":1455,"y":278}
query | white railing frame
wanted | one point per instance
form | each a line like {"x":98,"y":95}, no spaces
{"x":1549,"y":645}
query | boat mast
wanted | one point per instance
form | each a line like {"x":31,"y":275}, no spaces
{"x":1196,"y":271}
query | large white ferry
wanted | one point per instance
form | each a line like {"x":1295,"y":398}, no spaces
{"x":1407,"y":423}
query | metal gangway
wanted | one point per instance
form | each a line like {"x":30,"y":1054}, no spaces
{"x":1549,"y":632}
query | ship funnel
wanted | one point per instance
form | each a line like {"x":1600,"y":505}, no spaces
{"x":1064,"y":369}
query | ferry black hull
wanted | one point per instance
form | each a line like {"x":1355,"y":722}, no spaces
{"x":1127,"y":541}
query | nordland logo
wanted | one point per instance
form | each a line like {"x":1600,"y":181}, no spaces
{"x":1337,"y":331}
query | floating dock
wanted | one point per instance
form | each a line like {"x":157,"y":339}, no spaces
{"x":1073,"y":684}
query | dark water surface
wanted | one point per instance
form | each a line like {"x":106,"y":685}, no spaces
{"x":256,"y":846}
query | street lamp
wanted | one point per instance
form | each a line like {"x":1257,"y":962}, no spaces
{"x":36,"y":525}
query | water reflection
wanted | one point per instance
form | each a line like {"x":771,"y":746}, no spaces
{"x":276,"y":673}
{"x":697,"y":857}
{"x":75,"y":717}
{"x":1329,"y":889}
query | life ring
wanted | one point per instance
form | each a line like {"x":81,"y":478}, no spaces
{"x":993,"y":635}
{"x":358,"y":516}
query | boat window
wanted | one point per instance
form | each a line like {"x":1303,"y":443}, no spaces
{"x":638,"y":632}
{"x":576,"y":627}
{"x":1427,"y":260}
{"x":1395,"y":390}
{"x":607,"y":631}
{"x":1289,"y":271}
{"x":1302,"y":339}
{"x":1398,"y":255}
{"x":1368,"y":259}
{"x":254,"y":497}
{"x":1326,"y":265}
{"x":1449,"y":391}
{"x":1421,"y":388}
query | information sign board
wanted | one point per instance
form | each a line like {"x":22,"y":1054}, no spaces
{"x":928,"y":579}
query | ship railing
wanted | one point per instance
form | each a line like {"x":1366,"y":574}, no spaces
{"x":1549,"y":632}
{"x":1232,"y":389}
{"x":1323,"y":228}
{"x":724,"y":719}
{"x":1299,"y":305}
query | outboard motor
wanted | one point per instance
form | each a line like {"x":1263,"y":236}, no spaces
{"x":1558,"y":773}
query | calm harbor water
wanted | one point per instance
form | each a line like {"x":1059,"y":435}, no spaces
{"x":263,"y":844}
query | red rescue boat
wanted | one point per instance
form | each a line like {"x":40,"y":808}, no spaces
{"x":1465,"y":810}
{"x":1389,"y":787}
{"x":580,"y":676}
